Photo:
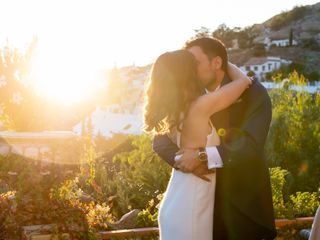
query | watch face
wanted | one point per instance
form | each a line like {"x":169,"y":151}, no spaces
{"x":203,"y":156}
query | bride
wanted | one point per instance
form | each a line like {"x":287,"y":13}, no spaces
{"x":176,"y":106}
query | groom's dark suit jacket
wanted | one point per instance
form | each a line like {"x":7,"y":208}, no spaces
{"x":243,"y":202}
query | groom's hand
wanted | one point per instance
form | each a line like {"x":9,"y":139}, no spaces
{"x":188,"y":161}
{"x":202,"y":170}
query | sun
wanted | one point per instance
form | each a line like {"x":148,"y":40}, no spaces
{"x":63,"y":74}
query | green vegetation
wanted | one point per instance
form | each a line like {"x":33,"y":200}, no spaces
{"x":294,"y":137}
{"x":132,"y":179}
{"x":299,"y":204}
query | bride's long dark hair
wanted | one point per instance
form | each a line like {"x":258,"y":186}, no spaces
{"x":172,"y":86}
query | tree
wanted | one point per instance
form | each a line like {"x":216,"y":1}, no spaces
{"x":202,"y":32}
{"x":244,"y":38}
{"x":16,"y":97}
{"x":225,"y":34}
{"x":290,"y":37}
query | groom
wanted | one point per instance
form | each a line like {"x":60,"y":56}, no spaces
{"x":243,"y":202}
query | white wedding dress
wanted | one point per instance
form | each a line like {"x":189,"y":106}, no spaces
{"x":186,"y":210}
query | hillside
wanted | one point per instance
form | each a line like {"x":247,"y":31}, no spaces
{"x":304,"y":24}
{"x":304,"y":20}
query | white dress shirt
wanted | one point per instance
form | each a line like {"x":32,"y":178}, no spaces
{"x":214,"y":158}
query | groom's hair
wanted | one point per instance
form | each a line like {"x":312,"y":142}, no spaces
{"x":212,"y":47}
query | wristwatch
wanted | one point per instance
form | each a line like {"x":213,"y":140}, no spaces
{"x":202,"y":155}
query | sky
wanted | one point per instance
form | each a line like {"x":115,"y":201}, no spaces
{"x":95,"y":34}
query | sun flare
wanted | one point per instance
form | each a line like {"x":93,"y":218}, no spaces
{"x":63,"y":75}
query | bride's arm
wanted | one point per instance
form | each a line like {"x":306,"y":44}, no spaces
{"x":216,"y":101}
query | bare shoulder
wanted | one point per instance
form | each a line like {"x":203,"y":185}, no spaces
{"x":197,"y":106}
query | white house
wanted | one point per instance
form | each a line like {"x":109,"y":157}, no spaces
{"x":262,"y":65}
{"x":282,"y":42}
{"x":279,"y":39}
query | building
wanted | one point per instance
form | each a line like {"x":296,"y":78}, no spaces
{"x":262,"y":65}
{"x":278,"y":39}
{"x":281,"y":42}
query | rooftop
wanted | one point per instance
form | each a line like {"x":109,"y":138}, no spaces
{"x":260,"y":60}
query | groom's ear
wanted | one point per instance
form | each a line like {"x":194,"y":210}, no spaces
{"x":216,"y":62}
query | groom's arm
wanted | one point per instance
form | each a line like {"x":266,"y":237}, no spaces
{"x":246,"y":143}
{"x":165,"y":148}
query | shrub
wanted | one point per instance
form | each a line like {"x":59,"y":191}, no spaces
{"x":132,"y":178}
{"x":300,"y":204}
{"x":294,"y":137}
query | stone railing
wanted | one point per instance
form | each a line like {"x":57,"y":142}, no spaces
{"x":36,"y":145}
{"x":33,"y":232}
{"x":139,"y":232}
